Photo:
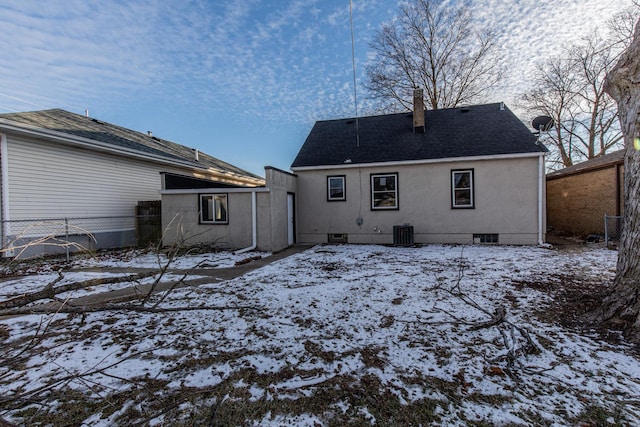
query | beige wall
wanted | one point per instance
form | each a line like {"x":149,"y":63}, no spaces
{"x":181,"y":221}
{"x":506,"y":203}
{"x":272,"y":226}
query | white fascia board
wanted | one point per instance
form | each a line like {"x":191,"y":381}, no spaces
{"x":217,"y":190}
{"x":420,"y":162}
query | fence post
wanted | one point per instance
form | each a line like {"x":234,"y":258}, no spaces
{"x":66,"y":235}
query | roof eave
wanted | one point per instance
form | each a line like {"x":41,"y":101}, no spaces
{"x":34,"y":131}
{"x":421,"y":161}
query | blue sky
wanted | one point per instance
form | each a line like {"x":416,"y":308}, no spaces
{"x":241,"y":80}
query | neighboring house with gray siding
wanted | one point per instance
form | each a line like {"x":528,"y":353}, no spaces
{"x":56,"y":164}
{"x":461,"y":175}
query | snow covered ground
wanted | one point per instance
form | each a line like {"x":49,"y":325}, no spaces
{"x":32,"y":276}
{"x":330,"y":336}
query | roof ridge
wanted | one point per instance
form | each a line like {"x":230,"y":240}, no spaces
{"x":427,"y":111}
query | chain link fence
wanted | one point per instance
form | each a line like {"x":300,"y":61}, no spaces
{"x":612,"y":229}
{"x":46,"y":236}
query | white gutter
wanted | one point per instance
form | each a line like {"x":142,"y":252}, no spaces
{"x":254,"y":226}
{"x":418,"y":162}
{"x":541,"y":182}
{"x":4,"y":197}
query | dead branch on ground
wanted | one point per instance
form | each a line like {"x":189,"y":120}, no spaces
{"x":67,"y":309}
{"x":512,"y":334}
{"x":50,"y":291}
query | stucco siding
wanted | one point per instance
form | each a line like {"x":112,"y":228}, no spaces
{"x":180,"y":216}
{"x":505,"y":194}
{"x":280,"y":184}
{"x":180,"y":222}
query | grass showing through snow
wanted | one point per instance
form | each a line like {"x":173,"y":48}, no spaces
{"x":335,"y":335}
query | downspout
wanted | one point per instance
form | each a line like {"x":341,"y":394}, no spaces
{"x":4,"y":197}
{"x":541,"y":180}
{"x":254,"y":226}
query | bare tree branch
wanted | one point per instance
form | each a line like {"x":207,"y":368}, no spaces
{"x":570,"y":88}
{"x":432,"y":46}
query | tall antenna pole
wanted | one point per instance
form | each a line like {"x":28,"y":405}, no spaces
{"x":353,"y":63}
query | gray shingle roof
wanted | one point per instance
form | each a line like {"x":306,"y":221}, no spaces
{"x":86,"y":127}
{"x":616,"y":157}
{"x":479,"y":130}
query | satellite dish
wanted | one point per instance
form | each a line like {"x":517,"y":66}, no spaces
{"x":542,"y":123}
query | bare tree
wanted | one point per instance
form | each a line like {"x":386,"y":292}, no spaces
{"x":622,"y":306}
{"x":623,"y":24}
{"x":570,"y":89}
{"x":434,"y":46}
{"x":555,"y":96}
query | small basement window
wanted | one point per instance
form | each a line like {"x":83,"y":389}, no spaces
{"x":337,"y":238}
{"x":485,"y":238}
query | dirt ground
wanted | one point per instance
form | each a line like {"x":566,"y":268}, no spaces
{"x":575,"y":296}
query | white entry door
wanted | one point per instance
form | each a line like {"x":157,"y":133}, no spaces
{"x":290,"y":220}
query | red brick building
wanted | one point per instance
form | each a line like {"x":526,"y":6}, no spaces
{"x":579,"y":196}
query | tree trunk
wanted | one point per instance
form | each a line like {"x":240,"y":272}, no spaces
{"x":622,"y":306}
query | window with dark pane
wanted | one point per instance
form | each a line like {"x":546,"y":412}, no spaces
{"x":462,"y":188}
{"x":384,"y":191}
{"x":214,"y":209}
{"x":336,"y":188}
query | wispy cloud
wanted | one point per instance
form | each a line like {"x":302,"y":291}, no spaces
{"x":532,"y":31}
{"x":276,"y":61}
{"x":271,"y":59}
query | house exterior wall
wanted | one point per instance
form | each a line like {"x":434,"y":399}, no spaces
{"x":180,"y":216}
{"x":52,"y":180}
{"x":577,"y":203}
{"x":506,"y":203}
{"x":180,"y":221}
{"x":273,"y":224}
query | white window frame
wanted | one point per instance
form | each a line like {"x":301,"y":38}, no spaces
{"x":470,"y":189}
{"x":216,"y":202}
{"x":393,"y":175}
{"x":344,"y":188}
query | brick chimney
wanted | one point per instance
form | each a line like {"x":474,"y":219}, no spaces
{"x":418,"y":111}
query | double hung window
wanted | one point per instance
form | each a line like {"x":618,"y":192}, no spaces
{"x":384,"y":191}
{"x":462,"y":188}
{"x":214,"y":209}
{"x":336,"y":190}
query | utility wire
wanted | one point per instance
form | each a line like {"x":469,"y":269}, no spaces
{"x":353,"y":63}
{"x":15,"y":98}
